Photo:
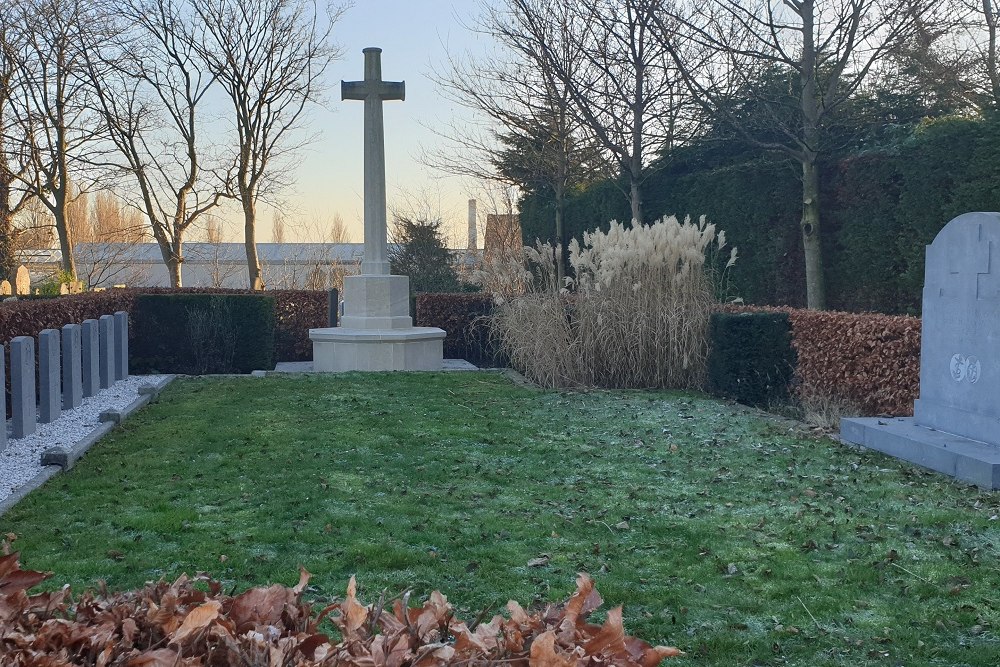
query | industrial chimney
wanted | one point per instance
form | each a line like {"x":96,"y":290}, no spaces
{"x":472,"y":225}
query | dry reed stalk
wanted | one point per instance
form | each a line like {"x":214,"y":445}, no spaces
{"x":638,"y":316}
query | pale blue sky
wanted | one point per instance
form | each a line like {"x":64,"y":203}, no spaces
{"x":415,"y":36}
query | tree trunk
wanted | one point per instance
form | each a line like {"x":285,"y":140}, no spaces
{"x":68,"y":263}
{"x":250,"y":241}
{"x":8,"y":263}
{"x":560,"y":249}
{"x":813,"y":251}
{"x":635,"y":198}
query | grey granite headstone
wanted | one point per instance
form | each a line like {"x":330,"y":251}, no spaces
{"x":121,"y":345}
{"x":22,"y":386}
{"x":72,"y":366}
{"x":90,"y":357}
{"x":49,"y":376}
{"x":106,"y":327}
{"x":955,"y":426}
{"x":3,"y":403}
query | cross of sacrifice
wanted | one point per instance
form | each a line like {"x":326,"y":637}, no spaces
{"x":373,"y":90}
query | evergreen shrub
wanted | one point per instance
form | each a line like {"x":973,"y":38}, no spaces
{"x":752,"y":359}
{"x":202,"y":333}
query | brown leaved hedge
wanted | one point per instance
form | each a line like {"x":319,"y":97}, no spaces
{"x":181,"y":625}
{"x":869,"y":360}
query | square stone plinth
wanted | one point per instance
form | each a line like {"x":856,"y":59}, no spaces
{"x":969,"y":460}
{"x":338,"y":349}
{"x":376,"y":302}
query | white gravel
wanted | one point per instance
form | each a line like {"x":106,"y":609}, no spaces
{"x":21,"y":461}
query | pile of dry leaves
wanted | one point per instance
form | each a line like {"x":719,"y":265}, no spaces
{"x":180,"y":625}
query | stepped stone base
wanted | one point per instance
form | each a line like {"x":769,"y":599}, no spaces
{"x":338,"y":349}
{"x":965,"y":459}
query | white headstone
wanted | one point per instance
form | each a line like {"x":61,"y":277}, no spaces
{"x":22,"y":282}
{"x":4,"y":287}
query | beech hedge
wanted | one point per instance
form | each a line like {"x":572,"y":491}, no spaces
{"x":463,"y":316}
{"x":869,"y":360}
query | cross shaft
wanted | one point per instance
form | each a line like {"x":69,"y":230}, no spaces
{"x":373,"y":90}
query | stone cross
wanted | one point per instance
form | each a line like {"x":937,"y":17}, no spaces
{"x":373,"y":90}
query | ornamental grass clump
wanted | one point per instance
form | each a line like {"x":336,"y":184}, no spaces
{"x":636,"y":314}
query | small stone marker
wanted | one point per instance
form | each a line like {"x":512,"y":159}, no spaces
{"x":72,"y":366}
{"x":63,"y":288}
{"x":22,"y":282}
{"x":106,"y":327}
{"x":90,"y":357}
{"x":22,"y":386}
{"x":49,"y":376}
{"x":955,"y":426}
{"x":121,"y":345}
{"x":4,"y":288}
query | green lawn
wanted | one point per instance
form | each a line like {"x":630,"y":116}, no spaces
{"x":740,"y":538}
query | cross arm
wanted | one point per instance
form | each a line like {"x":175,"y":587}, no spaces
{"x":353,"y":90}
{"x":392,"y":90}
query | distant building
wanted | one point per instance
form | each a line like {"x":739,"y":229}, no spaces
{"x":284,"y":265}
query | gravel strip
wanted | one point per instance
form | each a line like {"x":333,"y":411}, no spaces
{"x":21,"y":461}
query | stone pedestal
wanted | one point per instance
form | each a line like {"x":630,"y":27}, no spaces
{"x":377,"y":332}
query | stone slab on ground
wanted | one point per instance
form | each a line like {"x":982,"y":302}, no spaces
{"x":307,"y":366}
{"x":965,"y":459}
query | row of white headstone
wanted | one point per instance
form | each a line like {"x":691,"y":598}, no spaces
{"x":73,"y":364}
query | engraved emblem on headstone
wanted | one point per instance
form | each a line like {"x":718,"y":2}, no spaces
{"x":972,"y":370}
{"x":965,"y":368}
{"x":957,"y":368}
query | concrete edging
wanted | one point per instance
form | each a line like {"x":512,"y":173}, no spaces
{"x":59,"y":459}
{"x":44,"y":475}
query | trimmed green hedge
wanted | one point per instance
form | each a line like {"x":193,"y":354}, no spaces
{"x":203,"y":333}
{"x":751,"y":360}
{"x":881,"y":206}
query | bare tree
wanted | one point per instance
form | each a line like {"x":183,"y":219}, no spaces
{"x":269,"y":58}
{"x":979,"y":23}
{"x":150,"y":88}
{"x":624,"y":89}
{"x":830,"y":46}
{"x":532,"y":137}
{"x":112,"y":220}
{"x":78,"y":214}
{"x":55,"y":121}
{"x":13,"y":156}
{"x":277,"y":227}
